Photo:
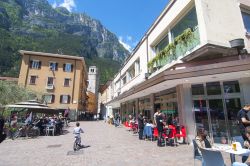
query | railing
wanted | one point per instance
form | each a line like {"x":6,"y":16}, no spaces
{"x":50,"y":87}
{"x":180,"y":50}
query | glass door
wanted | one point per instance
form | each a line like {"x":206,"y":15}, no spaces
{"x":233,"y":105}
{"x":218,"y":122}
{"x":201,"y":115}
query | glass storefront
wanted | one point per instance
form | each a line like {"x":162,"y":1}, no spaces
{"x":215,"y":107}
{"x":167,"y":104}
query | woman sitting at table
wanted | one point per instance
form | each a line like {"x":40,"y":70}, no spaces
{"x":201,"y":139}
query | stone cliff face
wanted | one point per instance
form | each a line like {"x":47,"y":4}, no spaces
{"x":35,"y":25}
{"x":38,"y":14}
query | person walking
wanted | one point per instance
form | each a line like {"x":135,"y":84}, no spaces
{"x":160,"y":126}
{"x":140,"y":126}
{"x":243,"y":120}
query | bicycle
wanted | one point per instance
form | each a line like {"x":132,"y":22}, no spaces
{"x":77,"y":144}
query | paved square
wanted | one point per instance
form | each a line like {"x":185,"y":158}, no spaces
{"x":109,"y":146}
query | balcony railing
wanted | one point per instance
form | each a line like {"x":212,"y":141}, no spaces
{"x":50,"y":87}
{"x":183,"y":43}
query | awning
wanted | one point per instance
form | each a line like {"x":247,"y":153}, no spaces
{"x":33,"y":106}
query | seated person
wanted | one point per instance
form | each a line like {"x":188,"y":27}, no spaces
{"x":150,"y":123}
{"x":201,"y":139}
{"x":247,"y":146}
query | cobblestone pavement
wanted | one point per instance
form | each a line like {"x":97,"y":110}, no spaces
{"x":109,"y":146}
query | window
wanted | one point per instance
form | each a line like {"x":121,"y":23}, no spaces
{"x":65,"y":99}
{"x":198,"y":89}
{"x":68,"y":67}
{"x":137,"y":67}
{"x":131,"y":72}
{"x":246,"y":20}
{"x":231,"y":87}
{"x":213,"y":88}
{"x":162,"y":44}
{"x":124,"y":80}
{"x":188,"y":21}
{"x":33,"y":80}
{"x":49,"y":98}
{"x":66,"y":82}
{"x":50,"y":81}
{"x":35,"y":64}
{"x":53,"y":66}
{"x":92,"y":70}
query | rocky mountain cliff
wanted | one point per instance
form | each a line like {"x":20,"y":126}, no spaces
{"x":34,"y":25}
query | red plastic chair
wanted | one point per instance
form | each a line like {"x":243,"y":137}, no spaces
{"x":182,"y":134}
{"x":172,"y":134}
{"x":155,"y":132}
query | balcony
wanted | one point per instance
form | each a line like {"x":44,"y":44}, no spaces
{"x":50,"y":87}
{"x":182,"y":44}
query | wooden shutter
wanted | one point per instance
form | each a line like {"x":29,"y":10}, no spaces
{"x":53,"y":99}
{"x":72,"y":67}
{"x":30,"y":65}
{"x":61,"y":98}
{"x":64,"y":65}
{"x":40,"y":63}
{"x":56,"y":66}
{"x":68,"y":99}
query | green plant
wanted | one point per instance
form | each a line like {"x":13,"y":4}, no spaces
{"x":170,"y":49}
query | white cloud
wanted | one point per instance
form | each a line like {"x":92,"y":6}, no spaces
{"x":68,"y":4}
{"x":125,"y":45}
{"x":54,"y":5}
{"x":129,"y":38}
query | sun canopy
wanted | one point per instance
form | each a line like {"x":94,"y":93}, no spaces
{"x":32,"y":106}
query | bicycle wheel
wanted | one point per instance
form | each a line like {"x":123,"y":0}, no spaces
{"x":75,"y":146}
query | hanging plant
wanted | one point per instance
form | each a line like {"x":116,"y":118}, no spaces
{"x":170,"y":49}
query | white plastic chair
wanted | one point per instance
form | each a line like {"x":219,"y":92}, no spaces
{"x":212,"y":157}
{"x":197,"y":155}
{"x":51,"y":129}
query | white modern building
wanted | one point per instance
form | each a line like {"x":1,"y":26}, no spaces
{"x":186,"y":66}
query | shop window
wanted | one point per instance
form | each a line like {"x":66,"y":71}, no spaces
{"x":213,"y":88}
{"x":231,"y":87}
{"x":188,"y":21}
{"x":246,"y":20}
{"x":198,"y":89}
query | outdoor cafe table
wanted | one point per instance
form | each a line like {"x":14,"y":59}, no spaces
{"x":228,"y":149}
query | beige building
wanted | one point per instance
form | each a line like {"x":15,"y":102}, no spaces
{"x":61,"y":79}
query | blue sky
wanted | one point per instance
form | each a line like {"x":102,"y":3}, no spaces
{"x":128,"y":19}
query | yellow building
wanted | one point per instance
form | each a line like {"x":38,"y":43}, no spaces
{"x":62,"y":79}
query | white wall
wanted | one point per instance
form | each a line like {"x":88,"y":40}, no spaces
{"x":219,"y":21}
